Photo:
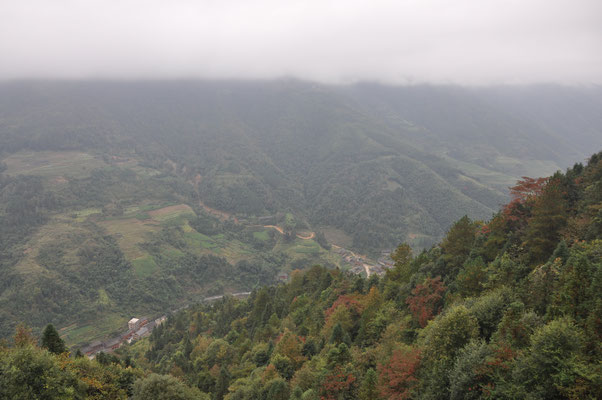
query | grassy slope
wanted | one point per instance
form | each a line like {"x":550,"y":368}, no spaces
{"x":72,"y":229}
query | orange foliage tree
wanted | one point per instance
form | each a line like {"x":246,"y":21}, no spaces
{"x":426,"y":300}
{"x":350,"y":302}
{"x":397,"y":377}
{"x":339,"y":385}
{"x":523,"y":195}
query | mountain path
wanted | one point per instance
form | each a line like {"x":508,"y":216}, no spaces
{"x":279,"y":229}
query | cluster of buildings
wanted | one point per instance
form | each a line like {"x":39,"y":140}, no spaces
{"x":384,"y":263}
{"x":385,"y":259}
{"x":360,"y":264}
{"x":350,"y":257}
{"x":137,"y":329}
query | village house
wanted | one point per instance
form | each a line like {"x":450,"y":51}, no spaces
{"x":93,"y":348}
{"x":357,"y":269}
{"x":133,"y":324}
{"x":113,"y":344}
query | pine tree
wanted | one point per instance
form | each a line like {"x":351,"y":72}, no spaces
{"x":223,"y":382}
{"x":549,"y":217}
{"x":338,"y":334}
{"x":297,"y":393}
{"x":369,"y":390}
{"x":278,"y":390}
{"x":562,"y":252}
{"x":403,"y":268}
{"x":457,"y":245}
{"x":187,"y":347}
{"x":52,"y":341}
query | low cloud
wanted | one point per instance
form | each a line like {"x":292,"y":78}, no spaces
{"x":404,"y":41}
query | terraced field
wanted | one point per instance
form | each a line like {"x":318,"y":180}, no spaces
{"x":130,"y":233}
{"x":100,"y":329}
{"x":144,"y":266}
{"x":119,"y":218}
{"x":53,"y":164}
{"x":171,"y":212}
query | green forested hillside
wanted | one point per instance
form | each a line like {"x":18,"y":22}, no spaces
{"x":509,"y":308}
{"x":421,"y":156}
{"x":88,"y":242}
{"x":504,"y":309}
{"x":136,"y":198}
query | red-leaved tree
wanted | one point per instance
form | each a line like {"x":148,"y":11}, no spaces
{"x":339,"y":385}
{"x":523,"y":195}
{"x":397,"y":377}
{"x":426,"y":300}
{"x":351,"y":302}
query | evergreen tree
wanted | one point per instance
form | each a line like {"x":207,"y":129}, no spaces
{"x":561,"y":251}
{"x":310,"y":394}
{"x":369,"y":390}
{"x":338,"y":334}
{"x":223,"y":382}
{"x":296,"y":394}
{"x":457,"y":245}
{"x":403,"y":268}
{"x":52,"y":341}
{"x":278,"y":390}
{"x":548,"y":217}
{"x":187,"y":347}
{"x":159,"y":387}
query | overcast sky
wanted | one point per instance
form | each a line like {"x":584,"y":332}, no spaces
{"x":399,"y":41}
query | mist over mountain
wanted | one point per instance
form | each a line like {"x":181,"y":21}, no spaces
{"x":382,"y":163}
{"x":316,"y":200}
{"x":122,"y":198}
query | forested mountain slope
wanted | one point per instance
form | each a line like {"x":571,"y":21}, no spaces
{"x":504,"y":309}
{"x":136,"y":198}
{"x":510,"y":308}
{"x":384,"y":164}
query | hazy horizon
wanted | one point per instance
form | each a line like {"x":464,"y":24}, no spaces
{"x":467,"y":43}
{"x":293,"y":79}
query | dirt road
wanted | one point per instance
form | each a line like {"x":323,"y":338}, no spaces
{"x":367,"y":269}
{"x":222,"y":215}
{"x":279,"y":229}
{"x":311,"y":236}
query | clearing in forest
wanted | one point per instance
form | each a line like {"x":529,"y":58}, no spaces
{"x":60,"y":165}
{"x":165,"y":213}
{"x":130,"y":232}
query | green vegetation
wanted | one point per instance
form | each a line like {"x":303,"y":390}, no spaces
{"x":51,"y":340}
{"x":261,"y":235}
{"x":306,"y":247}
{"x":28,"y":372}
{"x":115,"y":243}
{"x":111,"y":208}
{"x":494,"y":311}
{"x":374,"y":162}
{"x":107,"y":324}
{"x":508,"y":308}
{"x":59,"y":166}
{"x":144,"y":266}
